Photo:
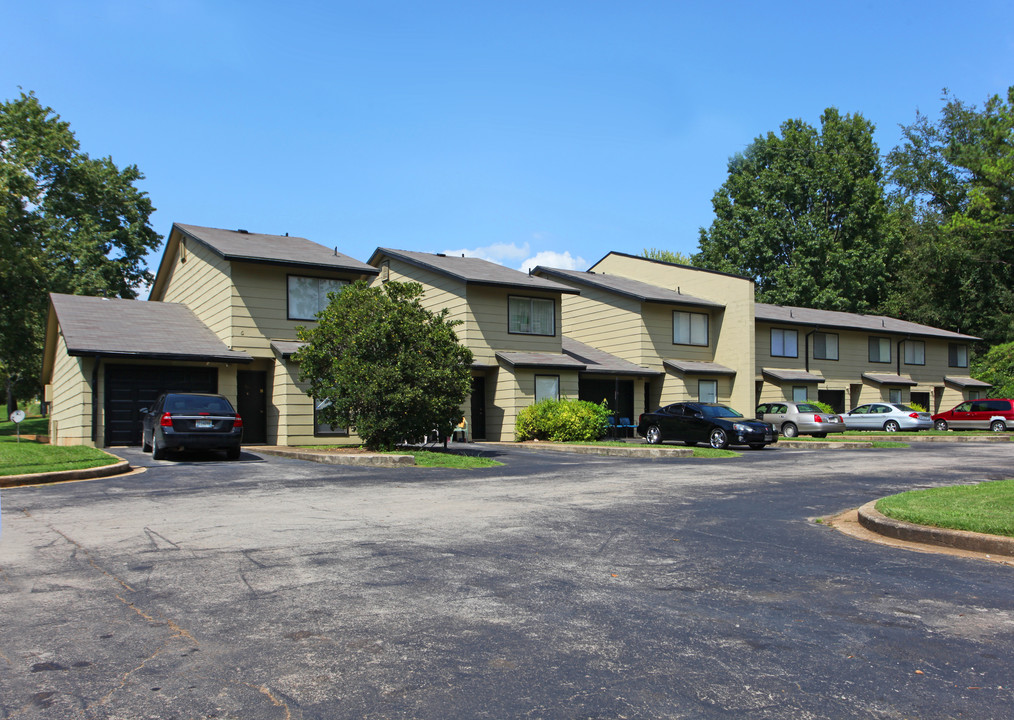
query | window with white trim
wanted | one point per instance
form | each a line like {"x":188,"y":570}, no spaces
{"x":547,"y":387}
{"x":880,"y":350}
{"x":784,"y":343}
{"x":915,"y":352}
{"x":308,"y":295}
{"x":957,"y":355}
{"x":825,"y":346}
{"x":531,"y":316}
{"x":689,"y":328}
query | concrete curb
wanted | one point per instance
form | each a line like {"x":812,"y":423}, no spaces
{"x":329,"y":458}
{"x":635,"y":451}
{"x":117,"y":468}
{"x":876,"y":522}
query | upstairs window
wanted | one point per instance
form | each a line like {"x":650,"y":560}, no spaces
{"x":308,"y":295}
{"x":957,"y":355}
{"x":915,"y":352}
{"x":880,"y":350}
{"x":784,"y":343}
{"x":825,"y":346}
{"x":689,"y":328}
{"x":531,"y":316}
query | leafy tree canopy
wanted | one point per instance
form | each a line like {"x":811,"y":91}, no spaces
{"x":996,"y":367}
{"x":957,"y":176}
{"x":805,"y":215}
{"x":669,"y":256}
{"x":391,"y":369}
{"x":68,"y":223}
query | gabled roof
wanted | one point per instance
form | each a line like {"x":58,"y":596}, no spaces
{"x":137,"y":329}
{"x":635,"y":289}
{"x":599,"y":361}
{"x":849,"y":321}
{"x":472,"y":271}
{"x":272,"y":249}
{"x":670,"y":264}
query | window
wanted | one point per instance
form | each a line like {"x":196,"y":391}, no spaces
{"x":321,"y":428}
{"x":531,"y":316}
{"x":880,"y":349}
{"x":308,"y":295}
{"x":784,"y":343}
{"x":825,"y":346}
{"x":957,"y":355}
{"x":974,"y":395}
{"x":689,"y":328}
{"x":894,"y":395}
{"x":799,"y":393}
{"x":915,"y":352}
{"x":547,"y":387}
{"x":707,"y":391}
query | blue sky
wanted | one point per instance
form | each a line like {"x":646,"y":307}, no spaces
{"x":545,"y":132}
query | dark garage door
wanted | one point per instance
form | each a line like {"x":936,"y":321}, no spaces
{"x":132,"y":387}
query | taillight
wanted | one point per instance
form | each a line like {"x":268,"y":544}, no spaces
{"x":166,"y":421}
{"x":914,"y":415}
{"x":237,"y":422}
{"x":817,"y":419}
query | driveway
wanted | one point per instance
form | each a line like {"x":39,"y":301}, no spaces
{"x":556,"y":586}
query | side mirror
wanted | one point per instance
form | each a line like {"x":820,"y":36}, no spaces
{"x":144,"y":411}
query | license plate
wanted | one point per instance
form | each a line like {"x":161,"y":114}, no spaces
{"x":204,"y":424}
{"x":768,"y":437}
{"x":832,"y":420}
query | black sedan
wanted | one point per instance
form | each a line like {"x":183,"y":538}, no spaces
{"x":697,"y":422}
{"x":191,"y":421}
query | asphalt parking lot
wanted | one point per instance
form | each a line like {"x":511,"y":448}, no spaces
{"x":556,"y":586}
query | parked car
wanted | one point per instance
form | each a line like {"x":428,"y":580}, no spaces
{"x":697,"y":422}
{"x":797,"y":418}
{"x":996,"y":414}
{"x":191,"y":421}
{"x":891,"y":417}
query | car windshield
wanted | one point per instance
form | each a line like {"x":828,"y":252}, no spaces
{"x":803,"y":407}
{"x":196,"y":404}
{"x":719,"y":411}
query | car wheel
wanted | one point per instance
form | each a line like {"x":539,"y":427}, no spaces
{"x":892,"y":426}
{"x":820,"y":435}
{"x":157,"y":451}
{"x":790,"y":430}
{"x":654,"y":435}
{"x":756,"y":446}
{"x":719,"y":440}
{"x":998,"y":426}
{"x":941,"y":425}
{"x":232,"y":454}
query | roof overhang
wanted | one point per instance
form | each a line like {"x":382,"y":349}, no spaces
{"x":963,"y":381}
{"x":286,"y":348}
{"x":687,"y":367}
{"x":889,"y":379}
{"x":557,"y":361}
{"x":782,"y":375}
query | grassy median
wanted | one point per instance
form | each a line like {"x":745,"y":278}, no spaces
{"x":27,"y":457}
{"x":986,"y":508}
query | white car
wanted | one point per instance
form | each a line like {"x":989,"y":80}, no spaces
{"x":798,"y":418}
{"x":891,"y":417}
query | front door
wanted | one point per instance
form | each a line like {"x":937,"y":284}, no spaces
{"x":478,"y":408}
{"x":252,"y":404}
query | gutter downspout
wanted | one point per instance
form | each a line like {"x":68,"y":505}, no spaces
{"x":897,"y":360}
{"x":95,"y":400}
{"x":806,"y":348}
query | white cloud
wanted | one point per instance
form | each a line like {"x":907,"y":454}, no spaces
{"x":500,"y":253}
{"x":549,"y":258}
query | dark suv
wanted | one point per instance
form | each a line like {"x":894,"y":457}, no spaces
{"x":996,"y":414}
{"x":191,"y":421}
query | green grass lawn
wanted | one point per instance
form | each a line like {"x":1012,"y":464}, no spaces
{"x":986,"y":508}
{"x":21,"y":458}
{"x":29,"y":426}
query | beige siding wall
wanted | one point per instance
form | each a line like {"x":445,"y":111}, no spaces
{"x":487,"y":325}
{"x":292,"y":409}
{"x":605,"y":321}
{"x":70,"y":419}
{"x":514,"y":390}
{"x":200,"y":280}
{"x":439,"y":291}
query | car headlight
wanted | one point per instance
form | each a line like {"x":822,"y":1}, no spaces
{"x":741,"y":428}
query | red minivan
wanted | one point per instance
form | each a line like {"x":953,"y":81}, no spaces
{"x":996,"y":414}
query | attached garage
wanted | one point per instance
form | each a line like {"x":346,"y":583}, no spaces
{"x":130,"y":388}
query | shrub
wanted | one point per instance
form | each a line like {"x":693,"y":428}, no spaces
{"x":917,"y":407}
{"x":562,"y":421}
{"x":824,"y":408}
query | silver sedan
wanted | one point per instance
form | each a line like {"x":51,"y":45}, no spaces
{"x":798,"y":418}
{"x":891,"y":417}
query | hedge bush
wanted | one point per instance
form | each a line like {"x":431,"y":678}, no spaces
{"x":562,"y":421}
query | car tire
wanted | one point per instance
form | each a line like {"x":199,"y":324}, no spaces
{"x":157,"y":451}
{"x":892,"y":426}
{"x":719,"y":439}
{"x":790,"y":430}
{"x":654,"y":435}
{"x":232,"y":454}
{"x":998,"y":426}
{"x":756,"y":446}
{"x":820,"y":435}
{"x":940,"y":425}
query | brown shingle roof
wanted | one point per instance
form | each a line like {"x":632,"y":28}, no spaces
{"x":540,"y":360}
{"x":473,"y":271}
{"x":690,"y":367}
{"x":599,"y":361}
{"x":625,"y":286}
{"x":849,"y":321}
{"x":274,"y":249}
{"x":136,"y":328}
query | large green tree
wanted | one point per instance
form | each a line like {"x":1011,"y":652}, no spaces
{"x":390,"y":368}
{"x":957,"y":176}
{"x":805,"y":214}
{"x":68,"y":223}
